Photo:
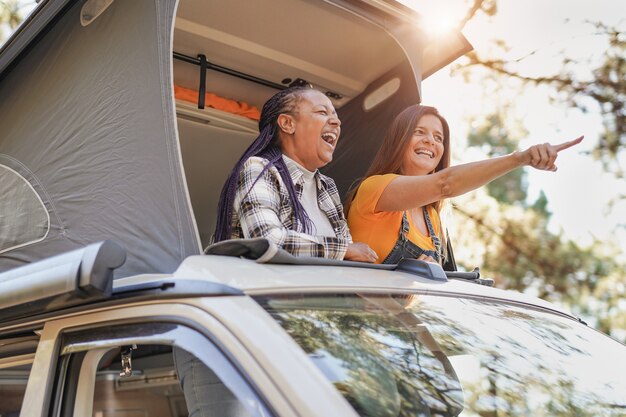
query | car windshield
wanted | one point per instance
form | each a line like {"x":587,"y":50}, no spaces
{"x":425,"y":355}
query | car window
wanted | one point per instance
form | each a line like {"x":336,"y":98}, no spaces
{"x":445,"y":356}
{"x":147,"y":370}
{"x":16,"y":358}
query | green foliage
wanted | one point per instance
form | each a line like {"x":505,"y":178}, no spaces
{"x":12,"y":12}
{"x":540,"y":206}
{"x":605,"y":90}
{"x":609,"y":89}
{"x":510,"y":188}
{"x":514,"y":246}
{"x":510,"y":241}
{"x":495,"y":139}
{"x":493,"y":136}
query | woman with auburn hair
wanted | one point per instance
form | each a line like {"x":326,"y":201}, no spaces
{"x":396,"y":208}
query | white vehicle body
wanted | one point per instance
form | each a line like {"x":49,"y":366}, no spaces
{"x":214,"y":307}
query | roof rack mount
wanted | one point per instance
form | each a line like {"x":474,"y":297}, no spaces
{"x":61,"y":281}
{"x":435,"y":272}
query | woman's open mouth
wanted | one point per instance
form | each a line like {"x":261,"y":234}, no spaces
{"x":330,"y":138}
{"x":425,"y":152}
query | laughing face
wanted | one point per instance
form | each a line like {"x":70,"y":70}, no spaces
{"x":310,"y":133}
{"x":425,"y":149}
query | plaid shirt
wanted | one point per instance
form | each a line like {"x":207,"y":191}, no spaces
{"x":265,"y":210}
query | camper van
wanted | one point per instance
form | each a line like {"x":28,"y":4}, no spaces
{"x":120,"y":121}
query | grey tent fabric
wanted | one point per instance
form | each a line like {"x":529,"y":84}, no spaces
{"x":23,"y":217}
{"x":87,"y":114}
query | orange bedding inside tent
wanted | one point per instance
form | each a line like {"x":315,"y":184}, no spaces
{"x":220,"y":103}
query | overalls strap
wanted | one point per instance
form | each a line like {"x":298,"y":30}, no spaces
{"x":404,"y":248}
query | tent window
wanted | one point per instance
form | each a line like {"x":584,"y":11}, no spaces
{"x":381,"y":94}
{"x":23,"y":216}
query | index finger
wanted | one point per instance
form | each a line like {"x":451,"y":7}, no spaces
{"x":568,"y":144}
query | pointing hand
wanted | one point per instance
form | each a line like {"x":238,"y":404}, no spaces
{"x":544,"y":156}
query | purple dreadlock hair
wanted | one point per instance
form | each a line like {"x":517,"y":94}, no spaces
{"x":265,"y":146}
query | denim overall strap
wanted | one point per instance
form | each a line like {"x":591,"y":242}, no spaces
{"x":433,"y":236}
{"x":404,"y":230}
{"x":404,"y":248}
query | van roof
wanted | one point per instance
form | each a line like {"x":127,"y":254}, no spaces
{"x":256,"y":279}
{"x":84,"y":277}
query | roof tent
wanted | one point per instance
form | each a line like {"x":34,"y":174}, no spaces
{"x":93,"y":142}
{"x":87,"y":119}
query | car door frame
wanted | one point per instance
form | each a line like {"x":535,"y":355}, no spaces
{"x":226,"y":322}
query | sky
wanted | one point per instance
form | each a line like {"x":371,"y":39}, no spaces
{"x":580,"y":192}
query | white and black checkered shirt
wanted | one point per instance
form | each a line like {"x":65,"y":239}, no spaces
{"x":265,"y":210}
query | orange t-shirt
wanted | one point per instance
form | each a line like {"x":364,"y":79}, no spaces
{"x":380,"y":229}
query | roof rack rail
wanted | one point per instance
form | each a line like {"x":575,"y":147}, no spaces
{"x":435,"y":272}
{"x":61,"y":281}
{"x":428,"y":270}
{"x":473,"y":276}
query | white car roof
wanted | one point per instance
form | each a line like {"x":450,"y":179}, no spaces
{"x":263,"y":279}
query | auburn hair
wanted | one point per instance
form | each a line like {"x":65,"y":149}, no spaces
{"x":397,"y":139}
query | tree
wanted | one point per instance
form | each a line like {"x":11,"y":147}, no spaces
{"x":494,"y":139}
{"x":508,"y":237}
{"x":606,"y":89}
{"x":513,"y":245}
{"x":12,"y":14}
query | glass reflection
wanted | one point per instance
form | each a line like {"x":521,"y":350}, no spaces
{"x":420,"y":355}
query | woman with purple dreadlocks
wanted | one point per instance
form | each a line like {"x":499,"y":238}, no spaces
{"x":275,"y":190}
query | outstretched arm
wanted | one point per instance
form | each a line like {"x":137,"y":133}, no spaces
{"x":407,"y":192}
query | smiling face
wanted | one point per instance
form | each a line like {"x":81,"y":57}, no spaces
{"x":309,"y":133}
{"x":426,"y":147}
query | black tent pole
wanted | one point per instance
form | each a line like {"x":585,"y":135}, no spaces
{"x":202,"y":89}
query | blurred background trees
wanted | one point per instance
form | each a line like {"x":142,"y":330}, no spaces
{"x":605,"y":88}
{"x":509,"y":237}
{"x":12,"y":12}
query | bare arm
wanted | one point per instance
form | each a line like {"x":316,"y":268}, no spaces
{"x":407,"y":192}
